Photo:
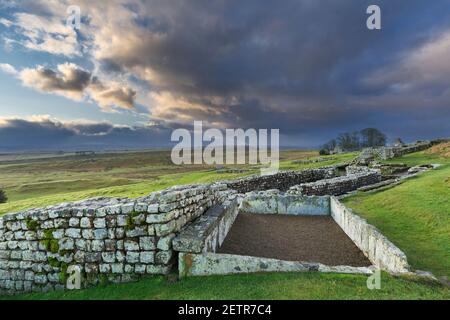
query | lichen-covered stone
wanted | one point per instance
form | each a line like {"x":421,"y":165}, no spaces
{"x":147,"y":243}
{"x":147,"y":257}
{"x":130,"y":245}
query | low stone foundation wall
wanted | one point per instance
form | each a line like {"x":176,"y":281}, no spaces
{"x":202,"y":259}
{"x":337,"y":186}
{"x":107,"y":239}
{"x":275,"y":202}
{"x":282,"y":180}
{"x":386,"y":153}
{"x":205,"y":264}
{"x":207,"y":233}
{"x":380,"y":251}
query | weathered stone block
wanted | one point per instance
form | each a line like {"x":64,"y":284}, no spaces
{"x":163,"y":257}
{"x":66,"y":244}
{"x":165,"y":229}
{"x":100,"y":223}
{"x":100,"y":234}
{"x":127,"y":208}
{"x":117,"y":268}
{"x":85,"y":223}
{"x":165,"y":243}
{"x":147,"y":243}
{"x":153,"y":208}
{"x":98,"y":245}
{"x":109,"y":257}
{"x":147,"y":257}
{"x":136,"y":232}
{"x":131,"y":245}
{"x":132,"y":257}
{"x":73,"y":233}
{"x":105,"y":268}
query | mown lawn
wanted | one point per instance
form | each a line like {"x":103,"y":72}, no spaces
{"x":255,"y":287}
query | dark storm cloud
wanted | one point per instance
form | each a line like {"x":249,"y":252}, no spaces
{"x":296,"y":65}
{"x":49,"y":134}
{"x":310,"y":68}
{"x":74,"y":82}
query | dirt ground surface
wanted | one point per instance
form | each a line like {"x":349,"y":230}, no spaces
{"x":293,"y":238}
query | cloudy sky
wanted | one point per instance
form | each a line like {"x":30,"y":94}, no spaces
{"x":136,"y":69}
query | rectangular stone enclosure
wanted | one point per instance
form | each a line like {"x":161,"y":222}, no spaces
{"x":292,"y":238}
{"x":272,"y":231}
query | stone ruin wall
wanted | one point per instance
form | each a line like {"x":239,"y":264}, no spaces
{"x":282,"y":180}
{"x":339,"y":185}
{"x":386,"y":153}
{"x":110,"y":239}
{"x":276,"y":202}
{"x":375,"y":246}
{"x":198,"y":257}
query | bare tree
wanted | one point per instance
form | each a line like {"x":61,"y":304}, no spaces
{"x":349,"y":141}
{"x":371,"y":137}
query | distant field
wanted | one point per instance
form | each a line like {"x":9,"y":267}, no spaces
{"x":37,"y":182}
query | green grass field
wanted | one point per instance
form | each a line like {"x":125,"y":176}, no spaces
{"x":414,"y":215}
{"x":31,"y":183}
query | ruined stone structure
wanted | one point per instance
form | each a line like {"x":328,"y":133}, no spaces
{"x":282,"y":180}
{"x":380,"y":251}
{"x":120,"y":239}
{"x":384,"y":153}
{"x":113,"y":239}
{"x":339,"y":185}
{"x":203,"y":259}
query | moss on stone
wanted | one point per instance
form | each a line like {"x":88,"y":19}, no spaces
{"x":31,"y":224}
{"x":54,"y":246}
{"x":48,"y":234}
{"x":65,"y":252}
{"x":54,"y":262}
{"x":103,"y":280}
{"x":63,"y":275}
{"x":129,"y":224}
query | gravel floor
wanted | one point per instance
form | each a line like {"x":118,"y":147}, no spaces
{"x":293,"y":238}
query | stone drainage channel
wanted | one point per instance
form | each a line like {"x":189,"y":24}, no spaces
{"x":320,"y":234}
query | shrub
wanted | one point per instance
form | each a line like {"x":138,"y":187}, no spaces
{"x":324,"y":152}
{"x":3,"y":197}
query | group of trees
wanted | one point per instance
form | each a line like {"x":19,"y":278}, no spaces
{"x":3,"y":197}
{"x":357,"y":140}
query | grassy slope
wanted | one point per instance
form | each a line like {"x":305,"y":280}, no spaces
{"x":414,"y":215}
{"x":258,"y":286}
